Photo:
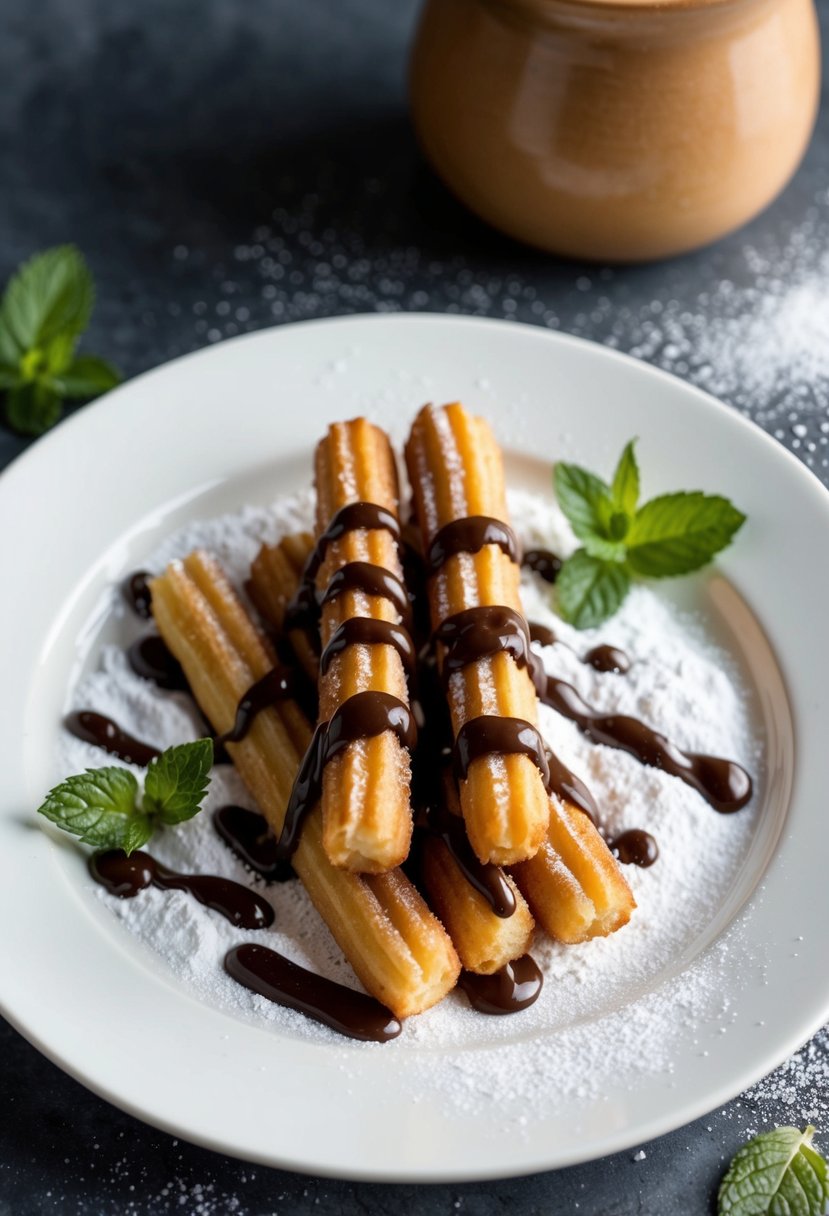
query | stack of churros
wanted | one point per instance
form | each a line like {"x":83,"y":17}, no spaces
{"x":498,"y":844}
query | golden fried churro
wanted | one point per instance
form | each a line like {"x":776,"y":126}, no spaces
{"x":366,"y":809}
{"x":397,"y":947}
{"x":486,"y":915}
{"x":274,"y":575}
{"x":573,"y":883}
{"x":456,"y":473}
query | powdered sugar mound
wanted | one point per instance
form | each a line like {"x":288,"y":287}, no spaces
{"x":618,"y":990}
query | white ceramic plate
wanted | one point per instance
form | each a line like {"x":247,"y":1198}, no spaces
{"x":236,"y":423}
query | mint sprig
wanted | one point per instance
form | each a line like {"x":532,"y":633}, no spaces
{"x":43,"y":313}
{"x":778,"y":1173}
{"x":101,"y":806}
{"x":668,"y":536}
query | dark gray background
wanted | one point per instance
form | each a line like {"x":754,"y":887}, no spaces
{"x":226,"y":166}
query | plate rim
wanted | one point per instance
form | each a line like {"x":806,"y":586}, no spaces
{"x":658,"y":1125}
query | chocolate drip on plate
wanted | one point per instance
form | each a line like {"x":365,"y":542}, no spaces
{"x":542,"y":562}
{"x":95,"y":728}
{"x":275,"y":977}
{"x":601,"y":658}
{"x":366,"y":631}
{"x":635,"y":847}
{"x":511,"y":988}
{"x":126,"y":876}
{"x":723,"y":783}
{"x":136,"y":591}
{"x":151,"y":658}
{"x":247,"y":833}
{"x":362,"y":716}
{"x":470,"y":535}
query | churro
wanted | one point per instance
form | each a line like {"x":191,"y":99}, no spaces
{"x":457,"y":479}
{"x":396,"y":946}
{"x":354,"y":576}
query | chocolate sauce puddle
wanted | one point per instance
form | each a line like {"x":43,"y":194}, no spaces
{"x":136,"y":591}
{"x":603,"y":657}
{"x":151,"y":658}
{"x":636,"y":847}
{"x":362,"y":716}
{"x":248,"y":835}
{"x":285,"y":983}
{"x":366,"y":631}
{"x":724,"y":784}
{"x":126,"y":876}
{"x":95,"y":728}
{"x":542,"y":562}
{"x":470,"y":535}
{"x":511,"y":988}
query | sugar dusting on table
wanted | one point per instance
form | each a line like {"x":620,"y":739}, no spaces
{"x":597,"y":998}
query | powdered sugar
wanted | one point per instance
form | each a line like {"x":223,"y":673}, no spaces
{"x":619,"y":990}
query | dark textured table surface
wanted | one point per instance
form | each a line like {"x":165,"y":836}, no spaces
{"x":228,"y":166}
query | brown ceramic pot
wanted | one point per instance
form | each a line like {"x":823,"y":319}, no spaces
{"x":616,"y":129}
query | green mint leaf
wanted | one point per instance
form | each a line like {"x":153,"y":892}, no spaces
{"x":33,"y":407}
{"x":605,"y":550}
{"x":87,"y":376}
{"x":9,"y":377}
{"x":778,"y":1173}
{"x":137,"y":831}
{"x":49,"y":295}
{"x":177,"y":780}
{"x":590,"y":590}
{"x":584,"y":499}
{"x":625,"y":488}
{"x":59,"y":353}
{"x":678,"y":533}
{"x":95,"y":806}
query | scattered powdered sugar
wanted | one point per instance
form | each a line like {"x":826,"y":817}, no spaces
{"x":623,"y":998}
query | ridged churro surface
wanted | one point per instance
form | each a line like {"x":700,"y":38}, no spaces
{"x":396,"y":946}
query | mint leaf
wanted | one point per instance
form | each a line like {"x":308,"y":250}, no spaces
{"x":584,"y":499}
{"x":9,"y":377}
{"x":137,"y":831}
{"x":625,"y":488}
{"x":776,"y":1174}
{"x":50,"y":294}
{"x":32,"y":408}
{"x":177,"y":780}
{"x":87,"y":376}
{"x":678,"y":533}
{"x":589,"y":589}
{"x":59,"y":353}
{"x":95,"y":806}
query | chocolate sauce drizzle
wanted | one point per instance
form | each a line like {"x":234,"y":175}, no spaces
{"x":136,"y":591}
{"x":480,"y":633}
{"x":366,"y":631}
{"x":371,"y":580}
{"x":511,"y":988}
{"x":126,"y":876}
{"x":362,"y":716}
{"x":278,"y":684}
{"x":724,"y":784}
{"x":302,"y":612}
{"x":635,"y":847}
{"x":95,"y":728}
{"x":490,"y":734}
{"x":542,"y":562}
{"x":151,"y":658}
{"x":285,"y":983}
{"x":470,"y":535}
{"x":248,"y":835}
{"x":601,"y":658}
{"x":488,"y":880}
